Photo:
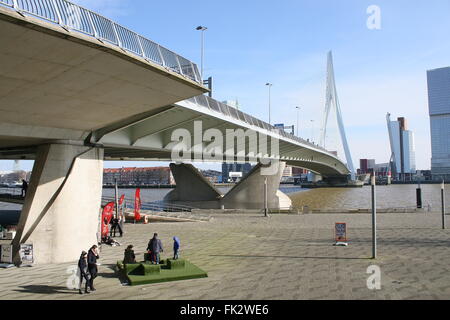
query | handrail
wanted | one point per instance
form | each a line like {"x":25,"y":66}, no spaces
{"x":71,"y":16}
{"x":157,"y":206}
{"x":224,"y":109}
{"x":11,"y":191}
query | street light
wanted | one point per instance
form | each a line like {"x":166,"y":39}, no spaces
{"x":312,"y":130}
{"x":298,"y":116}
{"x":270,"y":86}
{"x":202,"y":29}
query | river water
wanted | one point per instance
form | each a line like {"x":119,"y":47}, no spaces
{"x":393,"y":196}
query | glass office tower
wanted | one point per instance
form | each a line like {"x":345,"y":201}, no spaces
{"x":403,"y":149}
{"x":439,"y":107}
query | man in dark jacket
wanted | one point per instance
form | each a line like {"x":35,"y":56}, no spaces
{"x":176,"y":248}
{"x":92,"y":265}
{"x":114,"y":226}
{"x":155,"y":247}
{"x":84,"y":272}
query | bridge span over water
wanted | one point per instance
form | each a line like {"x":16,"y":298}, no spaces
{"x":77,"y":88}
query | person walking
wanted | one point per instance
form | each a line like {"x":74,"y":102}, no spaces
{"x":84,"y":272}
{"x":129,"y":256}
{"x":92,"y":265}
{"x":155,"y":247}
{"x":24,"y":188}
{"x":176,"y":248}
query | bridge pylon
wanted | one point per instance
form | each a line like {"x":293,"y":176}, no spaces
{"x":332,"y":101}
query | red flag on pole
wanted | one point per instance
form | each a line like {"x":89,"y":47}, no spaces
{"x":121,"y":208}
{"x":122,"y":198}
{"x":137,"y":205}
{"x":107,"y":215}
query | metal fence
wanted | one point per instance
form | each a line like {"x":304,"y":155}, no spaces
{"x":11,"y":191}
{"x":73,"y":17}
{"x":222,"y":108}
{"x":155,"y":206}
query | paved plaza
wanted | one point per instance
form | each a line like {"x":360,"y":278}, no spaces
{"x":282,"y":257}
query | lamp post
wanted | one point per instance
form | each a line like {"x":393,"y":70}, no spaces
{"x":270,"y":87}
{"x":202,"y":29}
{"x":374,"y":216}
{"x":312,"y":131}
{"x":298,"y":117}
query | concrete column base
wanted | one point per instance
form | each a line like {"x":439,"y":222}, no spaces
{"x":249,"y":192}
{"x":191,"y":185}
{"x":195,"y":190}
{"x":60,"y":216}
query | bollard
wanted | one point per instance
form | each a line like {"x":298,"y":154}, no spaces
{"x":266,"y":210}
{"x":443,"y":204}
{"x":116,"y":199}
{"x":374,"y":218}
{"x":419,"y":197}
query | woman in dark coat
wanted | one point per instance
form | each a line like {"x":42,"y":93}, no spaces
{"x":84,"y":272}
{"x":92,"y":265}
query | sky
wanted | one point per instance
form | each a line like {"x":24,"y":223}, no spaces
{"x":285,"y":42}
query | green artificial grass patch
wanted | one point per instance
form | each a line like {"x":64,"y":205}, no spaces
{"x":168,"y":270}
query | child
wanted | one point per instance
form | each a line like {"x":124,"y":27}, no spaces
{"x":176,"y":247}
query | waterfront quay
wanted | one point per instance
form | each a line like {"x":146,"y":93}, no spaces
{"x":250,"y":257}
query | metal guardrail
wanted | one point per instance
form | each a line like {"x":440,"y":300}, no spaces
{"x":157,"y":206}
{"x":222,"y":108}
{"x":74,"y":17}
{"x":11,"y":191}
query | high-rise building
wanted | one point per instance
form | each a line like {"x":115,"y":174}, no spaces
{"x":366,"y":166}
{"x":403,"y":159}
{"x":138,"y":176}
{"x":229,"y":170}
{"x":296,"y":172}
{"x":287,"y":172}
{"x":439,"y":107}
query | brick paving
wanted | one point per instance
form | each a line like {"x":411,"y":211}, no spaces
{"x":282,"y":257}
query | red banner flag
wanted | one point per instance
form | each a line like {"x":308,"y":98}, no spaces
{"x":122,"y":199}
{"x":137,"y":205}
{"x":107,"y":215}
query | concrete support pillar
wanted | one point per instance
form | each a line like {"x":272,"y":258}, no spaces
{"x":60,"y":216}
{"x":249,"y":192}
{"x":191,"y":185}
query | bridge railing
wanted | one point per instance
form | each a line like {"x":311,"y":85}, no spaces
{"x":74,"y":17}
{"x":11,"y":191}
{"x":214,"y":105}
{"x":155,"y":206}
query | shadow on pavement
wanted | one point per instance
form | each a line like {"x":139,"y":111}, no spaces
{"x":113,"y":274}
{"x":288,"y":257}
{"x":42,"y":289}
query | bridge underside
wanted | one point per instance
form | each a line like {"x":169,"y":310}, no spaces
{"x":56,"y":88}
{"x":56,"y":84}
